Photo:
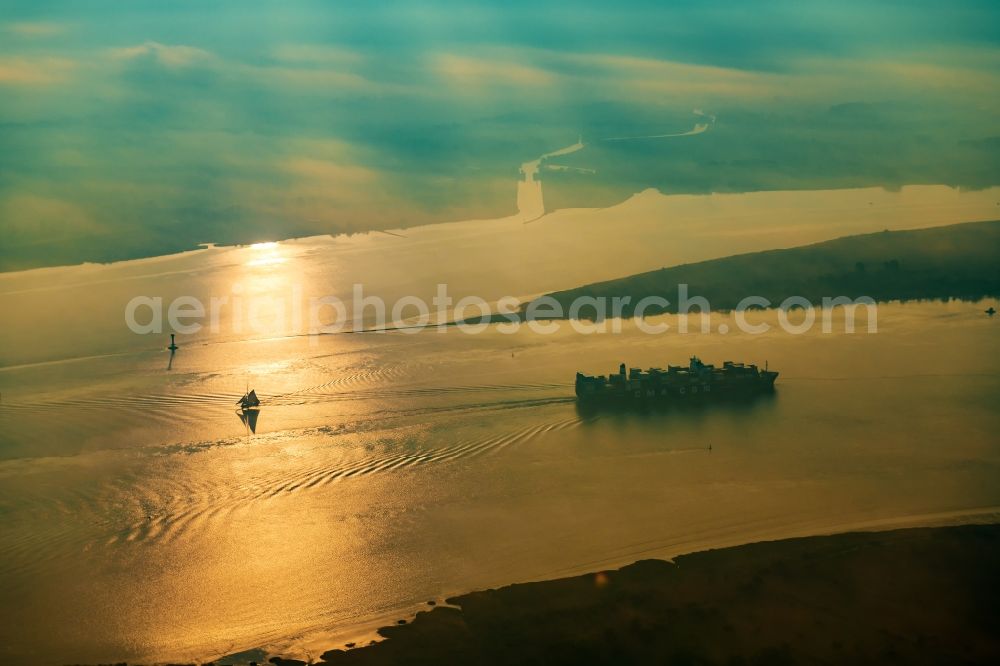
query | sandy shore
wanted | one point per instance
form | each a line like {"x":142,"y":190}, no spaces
{"x":914,"y":596}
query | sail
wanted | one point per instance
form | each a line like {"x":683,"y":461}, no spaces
{"x":249,"y":400}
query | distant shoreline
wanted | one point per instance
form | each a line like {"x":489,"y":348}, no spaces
{"x":66,"y":256}
{"x":955,"y":261}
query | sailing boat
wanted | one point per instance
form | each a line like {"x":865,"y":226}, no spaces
{"x":249,"y":410}
{"x":249,"y":400}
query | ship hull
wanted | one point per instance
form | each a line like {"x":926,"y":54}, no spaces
{"x":687,"y":393}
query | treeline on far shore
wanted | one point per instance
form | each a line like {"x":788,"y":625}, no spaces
{"x":960,"y":261}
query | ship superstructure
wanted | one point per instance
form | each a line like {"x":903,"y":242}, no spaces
{"x":698,"y":379}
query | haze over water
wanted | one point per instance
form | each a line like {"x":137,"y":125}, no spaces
{"x":138,"y":514}
{"x":249,"y":157}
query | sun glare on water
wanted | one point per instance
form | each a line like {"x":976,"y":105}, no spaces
{"x":265,"y":254}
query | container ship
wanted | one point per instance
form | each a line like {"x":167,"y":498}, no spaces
{"x":696,"y":381}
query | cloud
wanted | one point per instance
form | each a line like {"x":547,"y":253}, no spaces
{"x":311,"y":65}
{"x":355,"y":116}
{"x":316,"y":54}
{"x":297,"y":67}
{"x":971,"y":74}
{"x":939,"y":76}
{"x":464,"y":70}
{"x":332,"y":174}
{"x":34,"y":71}
{"x":309,"y":78}
{"x":33,"y":217}
{"x":666,"y":76}
{"x":172,"y":56}
{"x":35,"y":28}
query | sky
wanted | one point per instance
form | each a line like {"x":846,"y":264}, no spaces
{"x":142,"y":128}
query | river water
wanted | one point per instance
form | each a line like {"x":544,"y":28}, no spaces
{"x":141,"y":520}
